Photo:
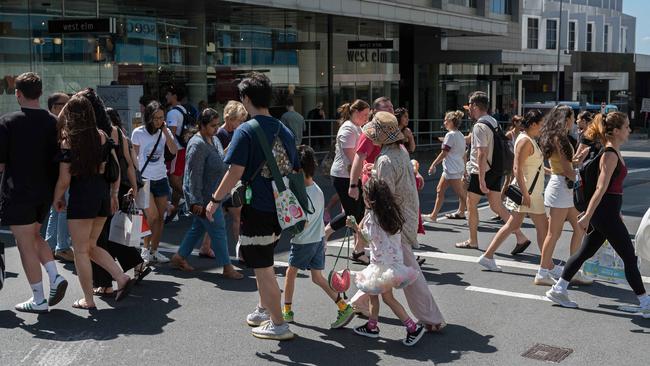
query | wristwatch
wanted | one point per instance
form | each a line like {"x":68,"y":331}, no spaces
{"x":353,"y":185}
{"x":214,"y":200}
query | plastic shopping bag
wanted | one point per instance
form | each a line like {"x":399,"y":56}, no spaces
{"x":142,"y":199}
{"x":642,"y":238}
{"x":606,"y":265}
{"x":126,"y":228}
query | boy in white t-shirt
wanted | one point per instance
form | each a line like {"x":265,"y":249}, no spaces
{"x":308,"y":247}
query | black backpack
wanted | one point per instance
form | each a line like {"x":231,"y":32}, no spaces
{"x":502,"y":157}
{"x":585,"y":189}
{"x":188,"y":127}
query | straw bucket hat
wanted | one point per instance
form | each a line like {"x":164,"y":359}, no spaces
{"x":383,"y":129}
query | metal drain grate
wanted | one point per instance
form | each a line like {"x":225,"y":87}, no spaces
{"x":548,"y":353}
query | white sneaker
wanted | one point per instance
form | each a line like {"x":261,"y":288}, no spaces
{"x":146,"y":256}
{"x":159,"y":257}
{"x":556,"y":272}
{"x":581,"y":279}
{"x":268,"y":330}
{"x":561,"y":298}
{"x":257,"y":317}
{"x":489,"y":263}
{"x":30,"y":306}
{"x":645,"y":311}
{"x":544,"y":280}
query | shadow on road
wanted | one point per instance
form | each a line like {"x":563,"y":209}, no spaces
{"x":145,"y":312}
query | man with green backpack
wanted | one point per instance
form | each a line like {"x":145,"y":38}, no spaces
{"x":262,"y":155}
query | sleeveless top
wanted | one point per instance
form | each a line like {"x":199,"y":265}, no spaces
{"x":555,"y":161}
{"x":531,"y":166}
{"x":620,"y":172}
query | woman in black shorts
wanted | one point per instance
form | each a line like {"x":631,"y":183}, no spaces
{"x":84,"y":150}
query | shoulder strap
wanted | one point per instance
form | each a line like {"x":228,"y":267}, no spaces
{"x":270,"y":159}
{"x":155,"y":146}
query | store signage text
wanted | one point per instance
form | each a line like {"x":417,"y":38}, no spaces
{"x":368,"y":56}
{"x":76,"y":26}
{"x":376,"y":44}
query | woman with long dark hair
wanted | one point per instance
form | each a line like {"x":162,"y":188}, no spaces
{"x":558,"y":195}
{"x":353,"y":116}
{"x":85,"y":150}
{"x":149,"y":142}
{"x":603,"y":220}
{"x":204,"y":171}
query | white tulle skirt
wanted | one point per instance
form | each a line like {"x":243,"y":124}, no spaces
{"x":379,"y":278}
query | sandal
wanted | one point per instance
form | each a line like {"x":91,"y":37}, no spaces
{"x":232,"y":275}
{"x":420,"y":260}
{"x":520,"y":248}
{"x":179,"y":262}
{"x":208,"y":254}
{"x":455,"y":216}
{"x":141,"y":273}
{"x":357,"y":258}
{"x":78,"y":305}
{"x":103,"y":292}
{"x":465,"y":245}
{"x":121,"y":293}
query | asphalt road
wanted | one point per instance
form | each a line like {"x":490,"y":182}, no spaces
{"x":198,"y":318}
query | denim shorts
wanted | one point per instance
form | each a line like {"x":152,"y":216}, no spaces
{"x":308,"y":256}
{"x":159,"y":188}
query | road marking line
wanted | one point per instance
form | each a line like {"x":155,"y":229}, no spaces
{"x":8,"y":232}
{"x":520,"y":295}
{"x":441,"y":217}
{"x":635,"y":154}
{"x":470,"y":259}
{"x":639,"y":170}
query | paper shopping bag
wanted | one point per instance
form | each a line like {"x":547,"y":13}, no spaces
{"x":126,"y":229}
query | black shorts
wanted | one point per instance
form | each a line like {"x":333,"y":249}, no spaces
{"x":24,"y":214}
{"x":89,"y":198}
{"x":492,"y":181}
{"x":260,"y":233}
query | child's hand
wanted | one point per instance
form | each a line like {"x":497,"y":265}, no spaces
{"x":351,"y":222}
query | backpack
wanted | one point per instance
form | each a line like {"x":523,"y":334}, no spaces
{"x":586,"y":186}
{"x":502,"y":157}
{"x":188,"y":127}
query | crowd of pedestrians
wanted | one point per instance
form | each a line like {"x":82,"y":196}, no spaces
{"x":74,"y":167}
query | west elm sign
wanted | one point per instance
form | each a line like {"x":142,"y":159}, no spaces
{"x":369,"y":51}
{"x":83,"y":26}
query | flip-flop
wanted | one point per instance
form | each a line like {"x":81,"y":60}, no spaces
{"x":101,"y":292}
{"x":520,"y":248}
{"x":465,"y":245}
{"x":209,"y":254}
{"x":141,"y":274}
{"x":420,"y":260}
{"x":356,"y":258}
{"x":77,"y":305}
{"x":121,"y":293}
{"x":455,"y":216}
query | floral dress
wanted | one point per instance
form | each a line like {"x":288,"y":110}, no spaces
{"x":386,"y":269}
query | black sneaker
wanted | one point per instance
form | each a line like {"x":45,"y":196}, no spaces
{"x":413,"y":337}
{"x":367,"y":332}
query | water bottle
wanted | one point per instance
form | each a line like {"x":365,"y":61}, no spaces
{"x":249,"y":195}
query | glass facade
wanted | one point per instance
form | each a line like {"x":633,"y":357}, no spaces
{"x":206,"y":47}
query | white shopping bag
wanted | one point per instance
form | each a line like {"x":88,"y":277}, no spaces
{"x":142,"y":199}
{"x":642,"y":238}
{"x":126,"y":228}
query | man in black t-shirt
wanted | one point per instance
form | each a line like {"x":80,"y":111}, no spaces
{"x":28,"y":146}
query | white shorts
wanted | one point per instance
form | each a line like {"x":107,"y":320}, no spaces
{"x":449,"y":176}
{"x":557,"y":194}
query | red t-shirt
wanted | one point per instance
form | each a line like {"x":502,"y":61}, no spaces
{"x":371,"y":150}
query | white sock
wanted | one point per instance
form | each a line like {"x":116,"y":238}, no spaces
{"x":52,"y":272}
{"x":37,"y":291}
{"x":561,"y":285}
{"x":542,"y":272}
{"x":644,"y":300}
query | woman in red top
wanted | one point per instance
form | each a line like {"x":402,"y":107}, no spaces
{"x":603,"y":220}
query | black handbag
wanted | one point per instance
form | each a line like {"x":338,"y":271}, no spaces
{"x":514,"y":192}
{"x":112,"y":166}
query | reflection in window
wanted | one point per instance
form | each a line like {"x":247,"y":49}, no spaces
{"x":551,"y":34}
{"x":533,"y":33}
{"x":590,"y":37}
{"x":572,"y":36}
{"x":501,"y":6}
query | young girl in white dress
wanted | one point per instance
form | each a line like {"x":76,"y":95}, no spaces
{"x":380,"y":231}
